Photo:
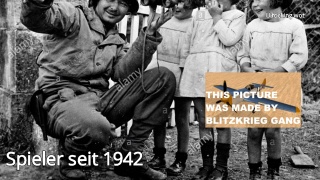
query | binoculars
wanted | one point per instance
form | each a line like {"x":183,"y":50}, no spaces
{"x":171,"y":3}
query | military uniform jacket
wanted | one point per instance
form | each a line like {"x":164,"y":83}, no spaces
{"x":77,"y":47}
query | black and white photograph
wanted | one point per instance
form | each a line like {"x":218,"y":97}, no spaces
{"x":118,"y":89}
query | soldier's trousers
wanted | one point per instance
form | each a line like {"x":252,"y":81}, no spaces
{"x":83,"y":122}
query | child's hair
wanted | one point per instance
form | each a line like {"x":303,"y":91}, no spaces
{"x":276,"y":3}
{"x":234,"y":2}
{"x":191,"y":4}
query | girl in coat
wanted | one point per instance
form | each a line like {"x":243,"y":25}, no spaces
{"x":169,"y":55}
{"x":272,"y":43}
{"x":210,"y":43}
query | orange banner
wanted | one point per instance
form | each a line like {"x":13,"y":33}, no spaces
{"x":253,"y":100}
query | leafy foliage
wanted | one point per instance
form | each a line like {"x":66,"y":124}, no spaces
{"x":17,"y":138}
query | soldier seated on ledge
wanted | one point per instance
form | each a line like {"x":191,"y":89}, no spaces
{"x":81,"y":52}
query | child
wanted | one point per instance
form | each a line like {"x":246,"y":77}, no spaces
{"x":209,"y":43}
{"x":277,"y":44}
{"x":169,"y":56}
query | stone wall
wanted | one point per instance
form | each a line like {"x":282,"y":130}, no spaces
{"x":18,"y":70}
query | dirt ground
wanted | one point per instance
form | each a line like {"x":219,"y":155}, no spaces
{"x":307,"y":137}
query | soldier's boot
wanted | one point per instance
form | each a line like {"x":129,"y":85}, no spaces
{"x":66,"y":170}
{"x":138,"y":170}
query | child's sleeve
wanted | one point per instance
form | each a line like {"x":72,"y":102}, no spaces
{"x":298,"y":51}
{"x":185,"y":49}
{"x":243,"y":55}
{"x":230,"y":35}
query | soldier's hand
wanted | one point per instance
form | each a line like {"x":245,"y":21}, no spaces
{"x":158,"y":20}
